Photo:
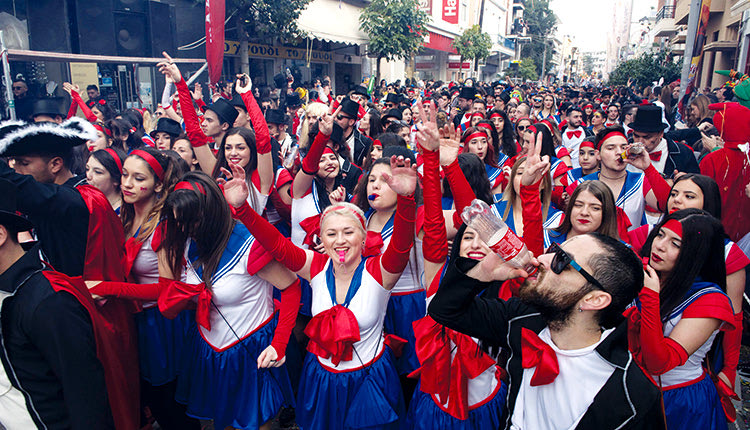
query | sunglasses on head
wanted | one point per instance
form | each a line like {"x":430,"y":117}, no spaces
{"x":522,"y":127}
{"x":562,"y":259}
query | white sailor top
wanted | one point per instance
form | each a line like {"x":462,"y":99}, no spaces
{"x":305,"y":208}
{"x":145,"y":267}
{"x":368,"y":303}
{"x":632,"y":198}
{"x":573,"y":144}
{"x":412,"y":278}
{"x":256,"y":199}
{"x":692,"y":370}
{"x":238,"y":294}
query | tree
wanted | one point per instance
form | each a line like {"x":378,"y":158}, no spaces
{"x":541,"y":23}
{"x":473,"y":44}
{"x":395,"y":28}
{"x":527,"y":70}
{"x":644,"y":70}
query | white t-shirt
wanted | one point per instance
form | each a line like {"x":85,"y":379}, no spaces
{"x":562,"y":403}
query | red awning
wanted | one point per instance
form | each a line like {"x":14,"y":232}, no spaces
{"x":439,"y":42}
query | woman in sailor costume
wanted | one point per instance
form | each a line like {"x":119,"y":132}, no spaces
{"x":349,"y":378}
{"x":587,"y":160}
{"x":147,"y":176}
{"x":104,"y":171}
{"x":232,"y":370}
{"x":460,"y":386}
{"x":682,"y":308}
{"x":476,"y":140}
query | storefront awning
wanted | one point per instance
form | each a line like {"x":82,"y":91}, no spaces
{"x":332,"y":21}
{"x":24,"y":55}
{"x":439,"y":42}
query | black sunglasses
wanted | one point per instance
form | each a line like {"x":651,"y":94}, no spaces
{"x":340,"y":117}
{"x":562,"y":259}
{"x":522,"y":127}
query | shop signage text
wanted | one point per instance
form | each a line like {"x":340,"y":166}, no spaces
{"x":258,"y":50}
{"x":450,"y":11}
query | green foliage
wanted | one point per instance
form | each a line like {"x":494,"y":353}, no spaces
{"x":541,"y":23}
{"x":644,"y":70}
{"x":395,"y":28}
{"x":527,"y":70}
{"x":473,"y":44}
{"x":264,"y":20}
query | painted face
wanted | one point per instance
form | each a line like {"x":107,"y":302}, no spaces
{"x":98,"y":176}
{"x":472,"y":246}
{"x":665,"y":250}
{"x":342,"y":233}
{"x":163,"y":140}
{"x":101,"y":142}
{"x":236,"y":150}
{"x":587,"y":159}
{"x":478,"y":146}
{"x":586,"y":214}
{"x":328,"y":166}
{"x":384,"y":196}
{"x":138,"y":182}
{"x":183,"y":147}
{"x":35,"y":166}
{"x":211,"y":125}
{"x":610,"y":153}
{"x":685,"y":195}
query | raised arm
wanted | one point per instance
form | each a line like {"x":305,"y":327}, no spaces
{"x":73,"y":90}
{"x":536,"y":168}
{"x":304,"y":178}
{"x":659,"y":193}
{"x":262,"y":136}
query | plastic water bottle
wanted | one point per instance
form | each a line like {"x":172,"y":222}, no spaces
{"x":291,"y":157}
{"x":496,"y":234}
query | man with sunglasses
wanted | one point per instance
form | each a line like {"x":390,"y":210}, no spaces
{"x":354,"y":140}
{"x":569,"y":365}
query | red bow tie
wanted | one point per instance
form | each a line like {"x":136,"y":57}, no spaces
{"x":576,"y":133}
{"x":655,"y":156}
{"x":536,"y":353}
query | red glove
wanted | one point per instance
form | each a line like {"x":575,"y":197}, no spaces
{"x":90,"y":117}
{"x":659,"y":353}
{"x":731,"y":347}
{"x":127,"y":290}
{"x":396,"y":255}
{"x":311,"y":160}
{"x":275,"y":243}
{"x":290,"y":300}
{"x":463,"y":195}
{"x":262,"y":136}
{"x":659,"y":185}
{"x":435,"y":242}
{"x":531,"y":203}
{"x":192,"y":124}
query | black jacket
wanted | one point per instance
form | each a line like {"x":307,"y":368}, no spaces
{"x":49,"y":352}
{"x":361,"y":146}
{"x":681,"y":158}
{"x":628,"y":400}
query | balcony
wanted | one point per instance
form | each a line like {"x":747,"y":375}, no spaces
{"x":518,"y":4}
{"x":666,"y":12}
{"x":665,"y":25}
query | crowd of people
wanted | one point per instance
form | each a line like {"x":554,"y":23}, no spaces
{"x":299,"y":257}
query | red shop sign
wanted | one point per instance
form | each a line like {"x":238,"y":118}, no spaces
{"x":450,"y":11}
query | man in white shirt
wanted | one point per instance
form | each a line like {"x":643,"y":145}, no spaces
{"x":574,"y":134}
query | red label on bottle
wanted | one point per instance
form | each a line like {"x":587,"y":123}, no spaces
{"x":509,"y":246}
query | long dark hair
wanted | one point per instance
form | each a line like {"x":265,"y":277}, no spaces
{"x":701,"y":254}
{"x":319,"y":184}
{"x":205,"y":218}
{"x":507,"y":144}
{"x":376,"y":126}
{"x":603,"y":193}
{"x":475,"y":173}
{"x":221,"y":159}
{"x":710,"y":189}
{"x":125,"y":135}
{"x":491,"y":156}
{"x":107,"y":112}
{"x":360,"y":191}
{"x":110,"y":164}
{"x":488,"y":125}
{"x":386,"y":140}
{"x":548,"y":143}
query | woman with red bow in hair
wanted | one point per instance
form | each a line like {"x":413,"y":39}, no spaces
{"x":349,"y":379}
{"x":682,"y":307}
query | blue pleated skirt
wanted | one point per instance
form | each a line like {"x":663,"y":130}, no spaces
{"x":161,"y":343}
{"x":696,"y":406}
{"x":228,"y":387}
{"x":368,"y":398}
{"x":425,"y":414}
{"x":306,"y":299}
{"x":403,"y":310}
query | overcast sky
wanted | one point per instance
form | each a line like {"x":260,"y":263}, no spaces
{"x":588,"y":22}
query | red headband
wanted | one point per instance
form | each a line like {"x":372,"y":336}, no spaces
{"x":674,"y":225}
{"x":479,"y":114}
{"x":356,"y":214}
{"x":377,"y":142}
{"x":328,"y":150}
{"x":185,"y":185}
{"x":548,"y":124}
{"x":587,"y":144}
{"x":114,"y":155}
{"x":495,"y":115}
{"x":148,"y":158}
{"x":589,"y":106}
{"x":610,"y":134}
{"x":475,"y":135}
{"x":531,"y":128}
{"x":485,"y":125}
{"x":103,"y":129}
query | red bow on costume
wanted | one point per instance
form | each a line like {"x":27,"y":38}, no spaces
{"x":441,"y":376}
{"x":373,"y":244}
{"x":576,"y":133}
{"x":655,"y":156}
{"x":332,"y":334}
{"x":177,"y":296}
{"x":536,"y":353}
{"x":311,"y":225}
{"x":132,"y":248}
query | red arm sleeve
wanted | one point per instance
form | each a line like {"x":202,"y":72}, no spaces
{"x":200,"y":104}
{"x":262,"y":136}
{"x":290,"y":299}
{"x":275,"y":243}
{"x":731,"y":347}
{"x":192,"y":125}
{"x":659,"y":185}
{"x":659,"y":353}
{"x":531,"y":204}
{"x":435,"y":242}
{"x":396,"y":255}
{"x":461,"y":190}
{"x":73,"y":108}
{"x":311,"y":160}
{"x":90,"y":117}
{"x":127,"y":290}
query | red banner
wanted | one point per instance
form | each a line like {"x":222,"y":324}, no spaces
{"x":439,"y":42}
{"x":450,"y":11}
{"x":700,"y":39}
{"x":457,"y":65}
{"x":215,"y":11}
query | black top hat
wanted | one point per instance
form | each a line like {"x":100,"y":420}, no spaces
{"x":467,"y":93}
{"x":648,"y":119}
{"x":279,"y":80}
{"x":238,"y":102}
{"x":169,"y":126}
{"x":44,"y":137}
{"x":275,"y":116}
{"x":350,"y":108}
{"x":224,"y":110}
{"x":361,"y":90}
{"x":392,"y":113}
{"x":505,"y":96}
{"x":8,"y":207}
{"x":606,"y":92}
{"x":392,"y":98}
{"x":293,"y":99}
{"x":51,"y":107}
